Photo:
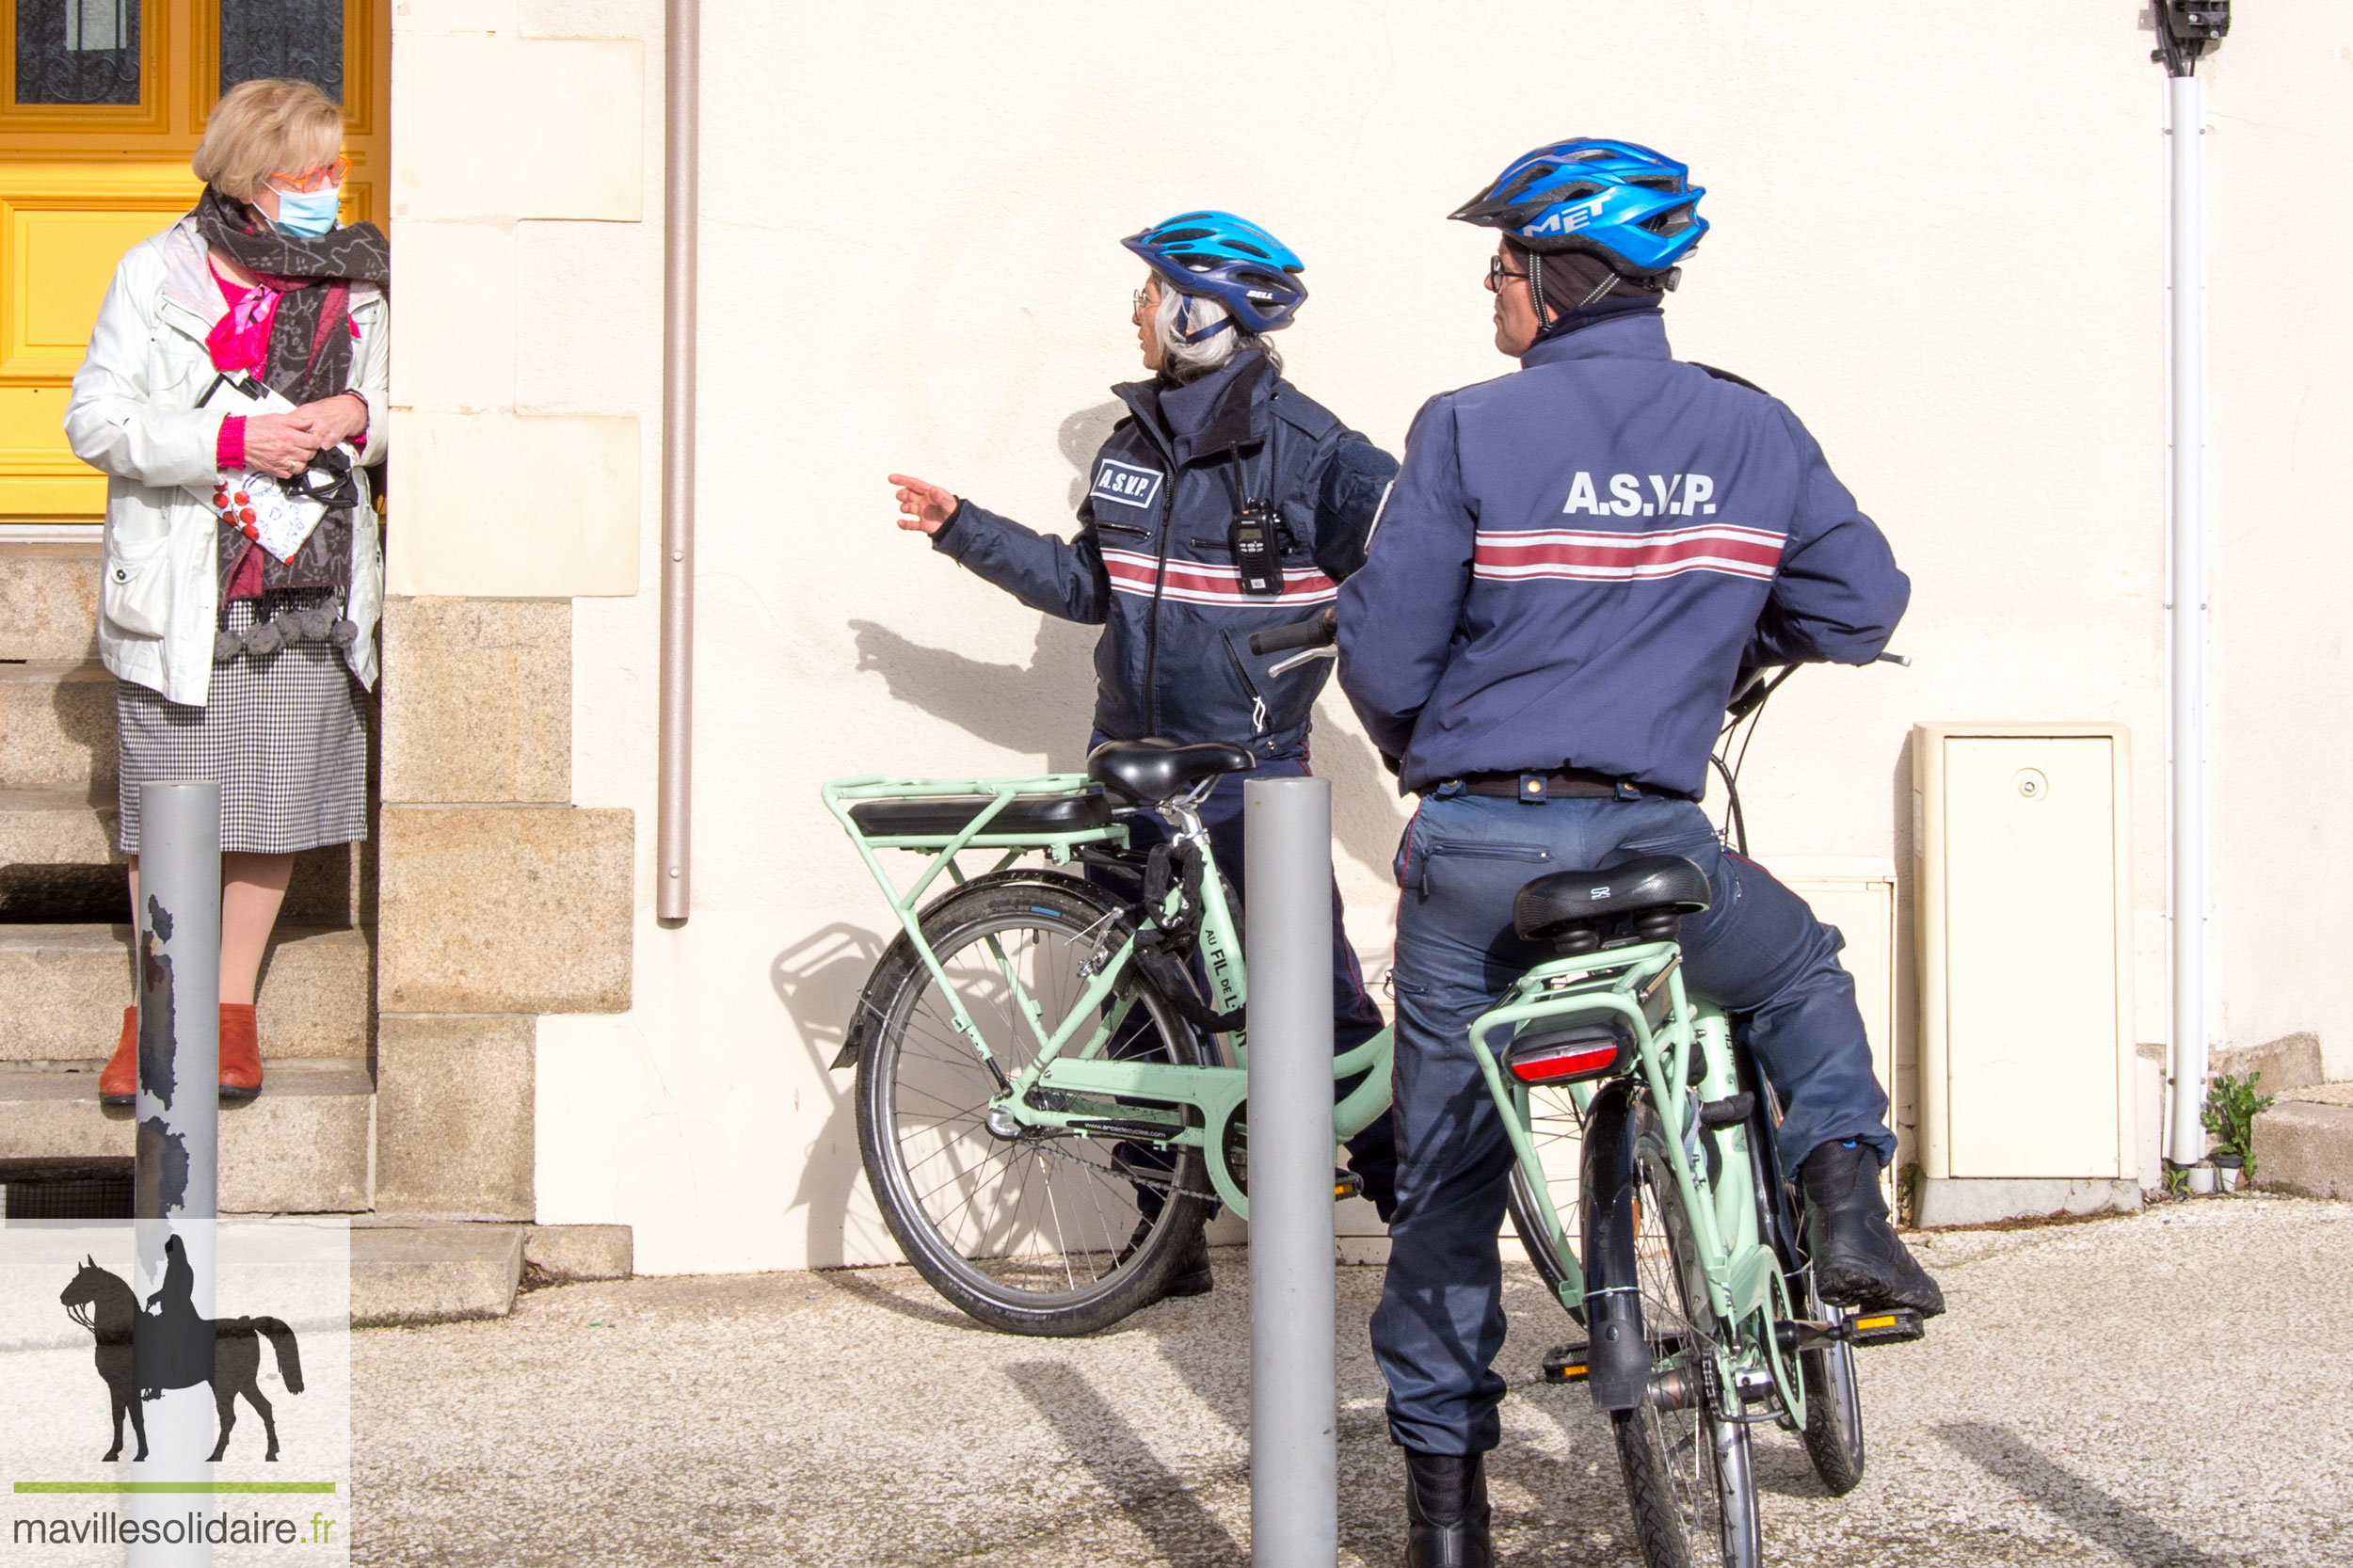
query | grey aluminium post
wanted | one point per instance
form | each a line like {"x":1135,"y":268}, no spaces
{"x":1294,"y":1379}
{"x":176,"y":1175}
{"x":2186,"y":614}
{"x":680,"y":170}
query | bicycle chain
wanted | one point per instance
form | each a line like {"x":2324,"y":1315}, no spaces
{"x":1127,"y":1173}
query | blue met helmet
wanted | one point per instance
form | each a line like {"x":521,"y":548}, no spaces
{"x":1634,"y":208}
{"x":1233,"y":261}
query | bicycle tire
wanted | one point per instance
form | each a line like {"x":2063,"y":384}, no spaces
{"x":1689,"y":1480}
{"x":1832,"y":1436}
{"x":1530,"y":1227}
{"x":1833,"y":1417}
{"x":1016,"y":1212}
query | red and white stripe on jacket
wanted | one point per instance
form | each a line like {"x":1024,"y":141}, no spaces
{"x":1588,"y":555}
{"x":1190,"y":583}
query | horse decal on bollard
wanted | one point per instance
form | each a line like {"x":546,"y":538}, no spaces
{"x":183,"y":1349}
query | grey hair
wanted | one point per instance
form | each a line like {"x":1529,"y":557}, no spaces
{"x":1183,"y":361}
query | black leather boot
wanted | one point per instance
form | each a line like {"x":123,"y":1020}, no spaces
{"x":1446,"y":1512}
{"x":1858,"y":1259}
{"x":1192,"y":1276}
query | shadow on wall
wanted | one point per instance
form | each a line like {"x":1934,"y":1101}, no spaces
{"x":1042,"y":709}
{"x":818,"y":979}
{"x":1364,"y":793}
{"x":1080,"y":437}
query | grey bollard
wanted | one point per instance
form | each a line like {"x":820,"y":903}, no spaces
{"x":1294,"y":1378}
{"x":175,"y":1185}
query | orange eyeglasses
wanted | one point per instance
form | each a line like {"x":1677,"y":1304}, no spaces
{"x":318,"y":180}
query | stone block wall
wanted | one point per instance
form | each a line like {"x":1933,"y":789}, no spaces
{"x":499,"y":900}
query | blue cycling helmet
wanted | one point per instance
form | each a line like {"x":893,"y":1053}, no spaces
{"x":1233,"y":261}
{"x":1634,"y":208}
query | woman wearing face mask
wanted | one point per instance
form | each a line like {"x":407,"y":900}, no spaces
{"x":238,"y":664}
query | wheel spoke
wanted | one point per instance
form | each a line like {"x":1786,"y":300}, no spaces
{"x":1042,"y":1221}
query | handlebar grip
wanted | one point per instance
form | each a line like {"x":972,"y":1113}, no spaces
{"x":1323,"y":629}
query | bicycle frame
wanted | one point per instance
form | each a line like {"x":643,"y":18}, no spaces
{"x":1069,"y":1086}
{"x":1687,"y":1061}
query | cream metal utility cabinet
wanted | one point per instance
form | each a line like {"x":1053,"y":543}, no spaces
{"x":2029,"y":1091}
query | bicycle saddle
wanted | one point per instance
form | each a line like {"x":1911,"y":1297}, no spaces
{"x":1652,"y":892}
{"x":1152,"y":770}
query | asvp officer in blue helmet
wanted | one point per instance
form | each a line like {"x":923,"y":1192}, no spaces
{"x":1226,"y":502}
{"x":1578,"y":561}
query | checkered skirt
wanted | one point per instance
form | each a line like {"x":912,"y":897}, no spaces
{"x":283,"y":735}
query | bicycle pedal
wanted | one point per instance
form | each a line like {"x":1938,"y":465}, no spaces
{"x":1895,"y":1325}
{"x":1346,"y":1184}
{"x":1565,"y":1364}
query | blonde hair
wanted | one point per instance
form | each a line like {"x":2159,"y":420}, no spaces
{"x":266,"y":126}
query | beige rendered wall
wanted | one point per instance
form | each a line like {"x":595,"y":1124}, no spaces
{"x":1939,"y":236}
{"x":2280,"y":157}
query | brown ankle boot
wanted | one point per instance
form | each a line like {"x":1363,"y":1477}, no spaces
{"x":240,"y":1052}
{"x":119,"y":1081}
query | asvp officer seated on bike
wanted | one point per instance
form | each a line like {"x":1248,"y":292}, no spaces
{"x":1226,"y":502}
{"x":1577,"y":563}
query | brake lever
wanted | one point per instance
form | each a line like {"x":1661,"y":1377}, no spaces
{"x":1282,"y":666}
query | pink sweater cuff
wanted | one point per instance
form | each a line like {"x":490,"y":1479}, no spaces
{"x":228,"y":452}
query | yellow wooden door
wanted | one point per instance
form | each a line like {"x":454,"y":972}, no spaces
{"x":102,"y":104}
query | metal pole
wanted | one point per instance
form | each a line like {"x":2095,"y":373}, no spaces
{"x":2186,"y":614}
{"x":680,"y":166}
{"x":176,"y":1178}
{"x":1294,"y":1378}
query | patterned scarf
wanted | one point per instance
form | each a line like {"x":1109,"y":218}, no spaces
{"x":310,"y":351}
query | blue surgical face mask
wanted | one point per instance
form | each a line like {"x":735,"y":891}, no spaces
{"x":308,"y":214}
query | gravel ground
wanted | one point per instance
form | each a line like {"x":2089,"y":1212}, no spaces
{"x":2164,"y":1392}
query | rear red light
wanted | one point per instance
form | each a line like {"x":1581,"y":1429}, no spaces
{"x":1559,"y":1065}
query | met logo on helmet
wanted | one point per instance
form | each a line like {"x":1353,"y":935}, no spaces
{"x":1126,"y":484}
{"x":1566,"y":221}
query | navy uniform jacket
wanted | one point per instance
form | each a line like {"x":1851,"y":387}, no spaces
{"x":1578,"y":560}
{"x":1152,"y":564}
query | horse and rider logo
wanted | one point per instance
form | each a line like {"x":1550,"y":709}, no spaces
{"x":175,"y":1347}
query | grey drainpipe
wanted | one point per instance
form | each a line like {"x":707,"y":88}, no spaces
{"x":674,"y":827}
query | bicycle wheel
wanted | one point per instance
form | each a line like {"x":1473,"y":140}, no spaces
{"x":1833,"y":1402}
{"x":1554,"y":1126}
{"x":1042,"y":1232}
{"x":1688,"y":1472}
{"x":1833,"y":1410}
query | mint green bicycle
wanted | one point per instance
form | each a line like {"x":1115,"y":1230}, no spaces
{"x":1051,"y":1084}
{"x":1048,"y":1104}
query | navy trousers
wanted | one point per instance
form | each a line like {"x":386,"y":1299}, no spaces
{"x":1372,"y":1153}
{"x":1758,"y":951}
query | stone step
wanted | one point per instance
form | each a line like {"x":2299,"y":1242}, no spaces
{"x":2304,"y":1143}
{"x":433,"y":1273}
{"x":56,"y":724}
{"x":63,"y":989}
{"x":49,"y":599}
{"x":301,"y":1148}
{"x":58,"y":824}
{"x":58,"y":864}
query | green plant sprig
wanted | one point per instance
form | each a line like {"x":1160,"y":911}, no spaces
{"x":2232,"y":1106}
